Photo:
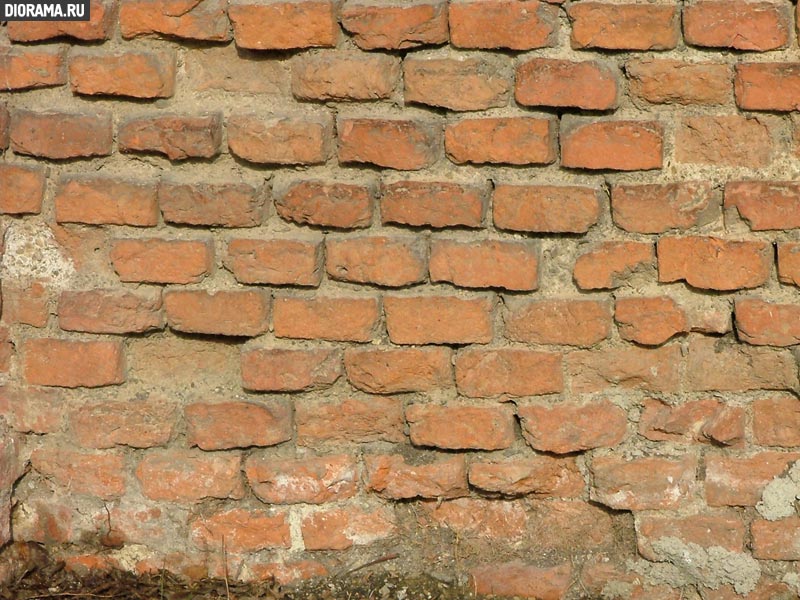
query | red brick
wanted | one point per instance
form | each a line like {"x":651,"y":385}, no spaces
{"x":21,"y":189}
{"x":603,"y":573}
{"x":135,"y":423}
{"x":562,"y":321}
{"x":717,"y":365}
{"x":209,"y":204}
{"x":461,"y":427}
{"x":733,"y":140}
{"x":581,"y":526}
{"x":713,"y":263}
{"x":766,"y":588}
{"x":650,"y":321}
{"x":459,"y":83}
{"x":503,"y":24}
{"x":241,"y":530}
{"x":391,"y":477}
{"x":615,"y":145}
{"x":7,"y":350}
{"x":660,"y":207}
{"x":608,"y":265}
{"x":98,"y":27}
{"x":663,"y":81}
{"x":509,"y":140}
{"x":93,"y":474}
{"x":29,"y":409}
{"x":484,"y":264}
{"x":26,"y":304}
{"x":624,"y":26}
{"x":740,"y":481}
{"x":338,"y":75}
{"x":439,"y":319}
{"x":522,"y":580}
{"x":479,"y":518}
{"x":224,"y":425}
{"x":27,"y":68}
{"x":5,"y":126}
{"x":393,"y":143}
{"x":205,"y":20}
{"x":277,"y":370}
{"x":155,"y":260}
{"x":384,"y":261}
{"x":312,"y":480}
{"x":736,"y":24}
{"x":626,"y":368}
{"x":789,"y":263}
{"x":68,"y":363}
{"x":395,"y":26}
{"x":281,"y":139}
{"x":276,"y":261}
{"x":237,"y":313}
{"x":724,"y":530}
{"x":643,"y":483}
{"x":132,"y":74}
{"x":110,"y":311}
{"x":589,"y":85}
{"x":105,"y":200}
{"x":540,"y":476}
{"x":349,"y":421}
{"x":507,"y":371}
{"x":176,"y":136}
{"x":190,"y":475}
{"x":545,"y":208}
{"x":326,"y":318}
{"x":778,"y":540}
{"x":268,"y":25}
{"x":776,"y":421}
{"x":767,"y":86}
{"x":57,"y":135}
{"x":706,"y":421}
{"x":765,"y":205}
{"x":397,"y":370}
{"x":342,"y":528}
{"x":433,"y":204}
{"x":567,"y":427}
{"x":233,"y":70}
{"x":764,"y":323}
{"x":327,"y":204}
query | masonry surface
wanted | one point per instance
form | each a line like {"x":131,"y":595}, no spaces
{"x":507,"y":288}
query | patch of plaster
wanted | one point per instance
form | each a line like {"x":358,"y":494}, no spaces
{"x":31,"y":253}
{"x":779,"y":498}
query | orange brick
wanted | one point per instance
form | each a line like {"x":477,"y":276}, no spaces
{"x":510,"y":140}
{"x":503,"y":24}
{"x":439,"y":319}
{"x":624,"y":26}
{"x":737,"y":24}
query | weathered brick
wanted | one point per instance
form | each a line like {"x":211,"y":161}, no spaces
{"x":776,"y":540}
{"x":479,"y":518}
{"x":267,"y":25}
{"x":509,"y":140}
{"x":705,"y":421}
{"x":433,"y":204}
{"x":205,"y":20}
{"x":660,"y":207}
{"x":628,"y":367}
{"x":723,"y":529}
{"x":714,"y":263}
{"x":776,"y":421}
{"x":349,"y":421}
{"x":110,"y":311}
{"x":643,"y":483}
{"x":21,"y":189}
{"x":740,"y":480}
{"x":461,"y":427}
{"x":483,"y":373}
{"x":155,"y":260}
{"x":276,"y":261}
{"x":561,"y":321}
{"x":342,"y":528}
{"x":567,"y":427}
{"x":326,"y":318}
{"x":28,"y":68}
{"x":178,"y":475}
{"x":520,"y":579}
{"x":664,"y":81}
{"x":545,"y":208}
{"x":98,"y":27}
{"x":736,"y":24}
{"x":135,"y":423}
{"x":789,"y":263}
{"x":392,"y":477}
{"x":765,"y":205}
{"x":396,"y":370}
{"x":485,"y":264}
{"x":225,"y":425}
{"x":378,"y":260}
{"x":177,"y":136}
{"x":94,"y":474}
{"x":395,"y":26}
{"x":235,"y":70}
{"x":279,"y":370}
{"x":311,"y":480}
{"x":26,"y":304}
{"x":57,"y":135}
{"x":615,"y":145}
{"x":589,"y":85}
{"x":211,"y":204}
{"x":733,"y":140}
{"x":624,"y":26}
{"x":608,"y":265}
{"x":650,"y":321}
{"x":439,"y":319}
{"x":68,"y":363}
{"x":763,"y":323}
{"x":405,"y":145}
{"x":344,"y":76}
{"x":132,"y":74}
{"x":106,"y":201}
{"x":457,"y":83}
{"x":281,"y":139}
{"x":540,"y":476}
{"x":327,"y":204}
{"x":243,"y":530}
{"x":29,"y":409}
{"x":236,"y":313}
{"x":503,"y":24}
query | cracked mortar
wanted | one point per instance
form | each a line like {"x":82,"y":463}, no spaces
{"x":779,"y":499}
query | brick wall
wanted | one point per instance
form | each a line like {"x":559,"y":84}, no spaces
{"x":507,"y":287}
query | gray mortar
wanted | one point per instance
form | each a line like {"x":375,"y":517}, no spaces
{"x":779,"y":499}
